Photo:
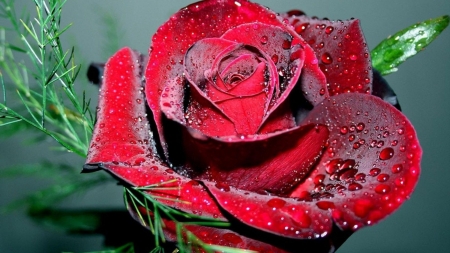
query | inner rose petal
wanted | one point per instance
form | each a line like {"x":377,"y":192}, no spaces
{"x":239,"y":82}
{"x":239,"y":69}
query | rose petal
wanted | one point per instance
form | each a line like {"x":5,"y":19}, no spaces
{"x":222,"y":237}
{"x":187,"y":195}
{"x":121,"y":142}
{"x":342,"y":52}
{"x":168,"y":47}
{"x":372,"y":162}
{"x":202,"y":65}
{"x":282,"y":216}
{"x":121,"y":130}
{"x":277,"y":43}
{"x":261,"y":163}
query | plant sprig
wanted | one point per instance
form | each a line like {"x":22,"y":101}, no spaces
{"x":44,"y":103}
{"x":136,"y":197}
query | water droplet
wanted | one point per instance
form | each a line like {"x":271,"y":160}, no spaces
{"x":275,"y":58}
{"x":400,"y":181}
{"x":347,"y":174}
{"x":322,"y":92}
{"x":333,"y":165}
{"x":360,"y":177}
{"x":360,"y":127}
{"x":383,"y":177}
{"x":386,"y":154}
{"x":382,"y":189}
{"x":351,"y":137}
{"x":325,"y":205}
{"x":326,"y":58}
{"x":301,"y":28}
{"x":329,"y":29}
{"x":362,"y":207}
{"x":301,"y":219}
{"x":223,"y":186}
{"x":396,"y":168}
{"x":374,"y":172}
{"x":354,"y":187}
{"x":353,"y":57}
{"x":319,"y":187}
{"x":319,"y":179}
{"x":276,"y":203}
{"x":264,"y":40}
{"x":344,"y":130}
{"x":286,"y":44}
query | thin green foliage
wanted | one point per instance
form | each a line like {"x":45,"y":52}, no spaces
{"x":156,"y":212}
{"x":44,"y":103}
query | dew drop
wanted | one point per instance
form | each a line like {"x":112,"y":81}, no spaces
{"x":400,"y":181}
{"x":322,"y":92}
{"x":333,"y":165}
{"x":347,"y":174}
{"x":325,"y":205}
{"x":329,"y":29}
{"x":286,"y":44}
{"x":319,"y":179}
{"x":302,"y":219}
{"x":264,"y":40}
{"x":276,"y":203}
{"x":360,"y":177}
{"x":301,"y":28}
{"x":374,"y":172}
{"x":351,"y":137}
{"x":354,"y":187}
{"x":396,"y":168}
{"x":382,"y":189}
{"x":353,"y":57}
{"x":344,"y":130}
{"x":326,"y":58}
{"x":386,"y":154}
{"x":223,"y":186}
{"x":275,"y":58}
{"x":360,"y":127}
{"x":382,"y":177}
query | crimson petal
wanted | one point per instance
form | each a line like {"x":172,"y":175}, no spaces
{"x":261,"y":163}
{"x":372,"y":162}
{"x":287,"y":217}
{"x":342,"y":52}
{"x":122,"y":145}
{"x":168,"y":47}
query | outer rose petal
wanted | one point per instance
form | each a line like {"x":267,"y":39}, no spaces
{"x":372,"y":162}
{"x":260,"y":163}
{"x":121,"y":143}
{"x":342,"y":52}
{"x":172,"y":40}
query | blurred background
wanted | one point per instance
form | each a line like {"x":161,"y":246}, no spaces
{"x":422,"y":85}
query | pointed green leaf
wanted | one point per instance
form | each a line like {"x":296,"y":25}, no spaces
{"x":394,"y":50}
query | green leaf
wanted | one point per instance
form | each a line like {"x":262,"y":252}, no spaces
{"x":394,"y":50}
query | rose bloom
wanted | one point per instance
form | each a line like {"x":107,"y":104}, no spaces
{"x":275,"y":123}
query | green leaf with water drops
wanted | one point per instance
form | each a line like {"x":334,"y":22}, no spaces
{"x":393,"y":51}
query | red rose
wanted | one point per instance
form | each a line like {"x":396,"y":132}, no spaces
{"x":267,"y":121}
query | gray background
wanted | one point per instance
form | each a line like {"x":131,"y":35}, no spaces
{"x":422,"y":83}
